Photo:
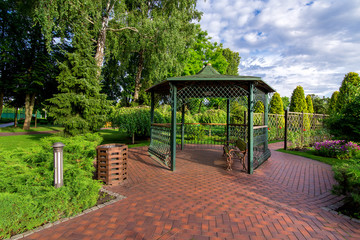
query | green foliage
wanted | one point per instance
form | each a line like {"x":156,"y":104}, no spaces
{"x":276,"y":104}
{"x":298,"y":102}
{"x":79,"y":106}
{"x":237,"y":113}
{"x":309,"y":104}
{"x":345,"y":124}
{"x":233,"y":59}
{"x":348,"y":90}
{"x":28,"y":198}
{"x":286,"y":102}
{"x":320,"y":105}
{"x":259,"y":107}
{"x":348,"y":177}
{"x":333,"y":102}
{"x":203,"y":50}
{"x":301,"y":139}
{"x":213,"y":116}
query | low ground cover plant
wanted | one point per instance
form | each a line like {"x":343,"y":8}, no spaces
{"x":27,"y":196}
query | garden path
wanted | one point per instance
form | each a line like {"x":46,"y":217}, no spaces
{"x":284,"y":199}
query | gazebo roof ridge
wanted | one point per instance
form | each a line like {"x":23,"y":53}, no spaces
{"x":209,"y":75}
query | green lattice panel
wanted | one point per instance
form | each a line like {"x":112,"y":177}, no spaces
{"x":160,"y":144}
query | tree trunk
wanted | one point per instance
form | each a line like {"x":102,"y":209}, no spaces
{"x":133,"y":138}
{"x":138,"y":76}
{"x":1,"y":102}
{"x":35,"y":118}
{"x":100,"y":47}
{"x":29,"y":107}
{"x":16,"y":117}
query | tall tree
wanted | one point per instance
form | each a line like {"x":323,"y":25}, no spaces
{"x":233,"y":59}
{"x":298,"y":102}
{"x":333,"y":102}
{"x":79,"y":106}
{"x":347,"y":90}
{"x":66,"y":16}
{"x":276,"y":104}
{"x":165,"y":30}
{"x":259,"y":107}
{"x":286,"y":102}
{"x":309,"y":103}
{"x":204,"y":51}
{"x":320,"y":105}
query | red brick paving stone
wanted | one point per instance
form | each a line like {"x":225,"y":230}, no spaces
{"x":200,"y":200}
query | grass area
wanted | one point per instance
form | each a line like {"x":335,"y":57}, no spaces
{"x":276,"y":141}
{"x":28,"y":141}
{"x":116,"y":136}
{"x":40,"y":128}
{"x":310,"y":154}
{"x":21,"y":141}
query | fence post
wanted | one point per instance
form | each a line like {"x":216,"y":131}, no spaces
{"x":58,"y":164}
{"x":286,"y":129}
{"x":277,"y":126}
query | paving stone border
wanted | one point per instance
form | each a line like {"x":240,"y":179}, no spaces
{"x":332,"y":208}
{"x":117,"y":196}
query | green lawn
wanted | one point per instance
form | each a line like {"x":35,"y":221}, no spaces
{"x":116,"y":136}
{"x":40,"y":128}
{"x":28,"y":141}
{"x":21,"y":141}
{"x":310,"y":154}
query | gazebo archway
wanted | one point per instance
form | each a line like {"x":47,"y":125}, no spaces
{"x":208,"y":84}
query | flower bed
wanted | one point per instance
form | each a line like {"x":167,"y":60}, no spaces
{"x":336,"y":148}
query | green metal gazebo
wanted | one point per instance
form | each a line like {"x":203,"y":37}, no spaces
{"x":166,"y":138}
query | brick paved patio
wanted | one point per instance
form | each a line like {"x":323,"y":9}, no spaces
{"x":283,"y":199}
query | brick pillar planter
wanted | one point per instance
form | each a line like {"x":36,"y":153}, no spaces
{"x":112,"y":163}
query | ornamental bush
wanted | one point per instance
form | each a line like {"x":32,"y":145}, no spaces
{"x":27,"y":196}
{"x":348,"y":177}
{"x":337,"y":148}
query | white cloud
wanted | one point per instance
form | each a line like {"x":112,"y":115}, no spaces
{"x":289,"y":42}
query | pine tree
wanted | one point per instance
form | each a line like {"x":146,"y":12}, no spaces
{"x":347,"y":90}
{"x":79,"y":106}
{"x":298,"y":102}
{"x":309,"y":103}
{"x":333,"y":102}
{"x":276,"y":104}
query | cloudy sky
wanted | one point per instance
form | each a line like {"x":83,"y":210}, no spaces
{"x":311,"y":43}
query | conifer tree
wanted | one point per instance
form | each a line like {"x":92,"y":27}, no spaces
{"x":276,"y":104}
{"x":347,"y":90}
{"x":333,"y":102}
{"x":298,"y":102}
{"x":79,"y":106}
{"x":309,"y":103}
{"x":259,"y":107}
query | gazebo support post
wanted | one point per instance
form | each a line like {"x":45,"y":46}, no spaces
{"x":266,"y":119}
{"x":251,"y":128}
{"x":152,"y":108}
{"x":228,"y":120}
{"x":182,"y":125}
{"x":173,"y":91}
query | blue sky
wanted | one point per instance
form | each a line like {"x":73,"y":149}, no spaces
{"x":289,"y":42}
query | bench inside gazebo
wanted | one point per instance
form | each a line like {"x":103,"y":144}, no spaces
{"x":208,"y":84}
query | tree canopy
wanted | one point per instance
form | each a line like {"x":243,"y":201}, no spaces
{"x":298,"y":102}
{"x":276,"y":104}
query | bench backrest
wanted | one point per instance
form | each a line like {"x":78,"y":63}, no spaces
{"x":241,"y":144}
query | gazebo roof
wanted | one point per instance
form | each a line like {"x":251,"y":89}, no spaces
{"x":208,"y":75}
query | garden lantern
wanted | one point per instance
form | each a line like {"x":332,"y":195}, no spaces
{"x":58,"y":164}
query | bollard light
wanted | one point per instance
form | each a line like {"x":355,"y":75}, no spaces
{"x":58,"y":164}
